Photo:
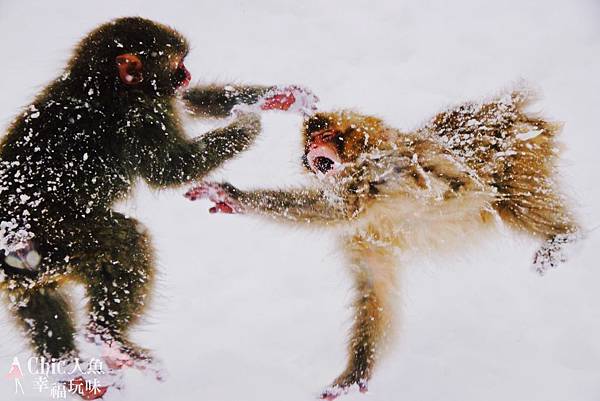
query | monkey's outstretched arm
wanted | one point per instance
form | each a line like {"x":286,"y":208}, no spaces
{"x":297,"y":205}
{"x":219,"y":101}
{"x":180,"y":160}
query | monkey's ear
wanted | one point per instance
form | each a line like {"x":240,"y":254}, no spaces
{"x":130,"y":69}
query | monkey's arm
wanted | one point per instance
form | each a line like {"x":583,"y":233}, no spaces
{"x":181,"y":160}
{"x":219,"y":101}
{"x":297,"y":205}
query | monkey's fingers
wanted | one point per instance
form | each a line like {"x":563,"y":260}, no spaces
{"x":334,"y":391}
{"x":219,"y":194}
{"x":199,"y":192}
{"x":207,"y":190}
{"x":290,"y":98}
{"x":280,"y":101}
{"x":222,"y":207}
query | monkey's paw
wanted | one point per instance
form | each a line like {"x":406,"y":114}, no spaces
{"x":221,"y":194}
{"x":552,"y":253}
{"x":343,"y":386}
{"x":118,"y":356}
{"x":24,"y":256}
{"x":122,"y":354}
{"x":290,"y":98}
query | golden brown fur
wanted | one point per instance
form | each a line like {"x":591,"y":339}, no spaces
{"x":429,"y":189}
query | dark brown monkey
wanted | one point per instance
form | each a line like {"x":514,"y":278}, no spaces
{"x":108,"y":120}
{"x":385,"y":190}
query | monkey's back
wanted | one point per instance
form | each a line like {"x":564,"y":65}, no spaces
{"x":512,"y":152}
{"x":483,"y":135}
{"x":447,"y":180}
{"x":57,"y":164}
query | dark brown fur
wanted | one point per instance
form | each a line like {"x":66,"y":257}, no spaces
{"x":69,"y":156}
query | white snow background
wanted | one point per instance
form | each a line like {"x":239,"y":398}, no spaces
{"x":247,"y":310}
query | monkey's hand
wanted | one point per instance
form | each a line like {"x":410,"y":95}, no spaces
{"x":223,"y":195}
{"x":291,"y":98}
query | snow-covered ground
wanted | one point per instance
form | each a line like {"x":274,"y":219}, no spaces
{"x":251,"y":311}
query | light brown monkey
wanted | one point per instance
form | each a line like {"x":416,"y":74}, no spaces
{"x":387,"y":190}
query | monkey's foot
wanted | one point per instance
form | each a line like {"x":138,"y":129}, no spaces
{"x":343,"y":386}
{"x":123,"y":354}
{"x":552,"y":253}
{"x":220,"y":194}
{"x":118,"y":356}
{"x":290,"y":98}
{"x":23,"y":256}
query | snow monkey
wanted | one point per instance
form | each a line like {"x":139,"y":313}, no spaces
{"x":387,"y":191}
{"x":80,"y":146}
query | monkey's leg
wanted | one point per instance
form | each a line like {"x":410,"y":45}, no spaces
{"x":45,"y":315}
{"x":374,"y":270}
{"x":543,"y":214}
{"x":118,"y":271}
{"x":528,"y":196}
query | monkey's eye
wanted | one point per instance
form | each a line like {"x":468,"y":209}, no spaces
{"x":323,"y":135}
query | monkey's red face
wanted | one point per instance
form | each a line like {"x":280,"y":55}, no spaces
{"x":322,"y":153}
{"x":334,"y":140}
{"x":132,"y":71}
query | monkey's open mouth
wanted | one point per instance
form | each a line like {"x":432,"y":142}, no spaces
{"x":323,"y":160}
{"x":182,"y":76}
{"x":323,"y":164}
